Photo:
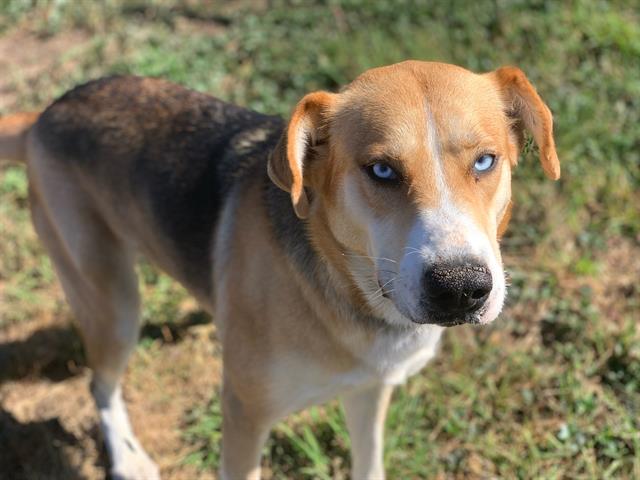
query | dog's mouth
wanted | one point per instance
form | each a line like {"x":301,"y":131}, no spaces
{"x":439,"y":318}
{"x":435,"y":317}
{"x":428,"y":312}
{"x":449,"y":320}
{"x":430,"y":316}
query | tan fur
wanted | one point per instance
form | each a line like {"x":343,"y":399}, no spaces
{"x":288,"y":343}
{"x":13,"y":130}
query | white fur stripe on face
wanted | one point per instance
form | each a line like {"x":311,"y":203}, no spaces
{"x":441,"y":233}
{"x":435,"y":150}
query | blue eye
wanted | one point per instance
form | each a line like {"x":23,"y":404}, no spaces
{"x":484,"y":162}
{"x":382,"y":172}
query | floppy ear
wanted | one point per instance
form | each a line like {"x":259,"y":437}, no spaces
{"x":287,"y":162}
{"x":528,"y":110}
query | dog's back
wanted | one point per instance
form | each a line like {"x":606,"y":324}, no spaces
{"x":171,"y":154}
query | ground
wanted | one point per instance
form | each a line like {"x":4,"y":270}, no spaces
{"x":551,"y":390}
{"x":47,"y":415}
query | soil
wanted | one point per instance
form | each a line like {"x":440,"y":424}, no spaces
{"x":48,"y":423}
{"x":24,"y":57}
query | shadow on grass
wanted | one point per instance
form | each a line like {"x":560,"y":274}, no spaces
{"x":56,"y":353}
{"x":308,"y":451}
{"x":53,"y":352}
{"x":35,"y":450}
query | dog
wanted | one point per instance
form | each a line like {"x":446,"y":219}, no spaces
{"x":331,"y":251}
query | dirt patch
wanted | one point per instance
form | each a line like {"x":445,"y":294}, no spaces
{"x":48,"y":424}
{"x":25,"y":56}
{"x":165,"y":382}
{"x":616,"y":288}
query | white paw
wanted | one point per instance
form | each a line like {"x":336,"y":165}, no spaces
{"x":133,"y":463}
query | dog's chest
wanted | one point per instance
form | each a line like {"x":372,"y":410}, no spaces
{"x":299,"y":381}
{"x":393,"y":357}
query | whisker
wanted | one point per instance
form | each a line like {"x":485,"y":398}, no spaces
{"x":388,"y":271}
{"x":377,"y":302}
{"x":369,"y":272}
{"x":378,"y":291}
{"x":377,"y":297}
{"x":369,"y":257}
{"x":382,"y":294}
{"x":388,"y":282}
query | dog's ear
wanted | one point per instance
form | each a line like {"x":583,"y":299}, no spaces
{"x":306,"y":129}
{"x":529,"y":112}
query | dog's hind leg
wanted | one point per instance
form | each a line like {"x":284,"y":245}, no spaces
{"x":96,"y":269}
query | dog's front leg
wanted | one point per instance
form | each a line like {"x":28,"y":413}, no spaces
{"x":366,"y":410}
{"x":243,"y":436}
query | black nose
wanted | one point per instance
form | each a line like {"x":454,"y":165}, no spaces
{"x":457,"y":287}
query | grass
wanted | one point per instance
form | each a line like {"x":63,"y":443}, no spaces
{"x":552,"y":389}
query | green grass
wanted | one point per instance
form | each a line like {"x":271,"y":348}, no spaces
{"x":551,"y":390}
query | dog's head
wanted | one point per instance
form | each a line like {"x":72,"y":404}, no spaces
{"x":405,"y":177}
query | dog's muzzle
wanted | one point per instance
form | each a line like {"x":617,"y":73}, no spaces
{"x":455,"y":292}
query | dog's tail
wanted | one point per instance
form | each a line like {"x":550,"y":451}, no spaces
{"x":13,"y":134}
